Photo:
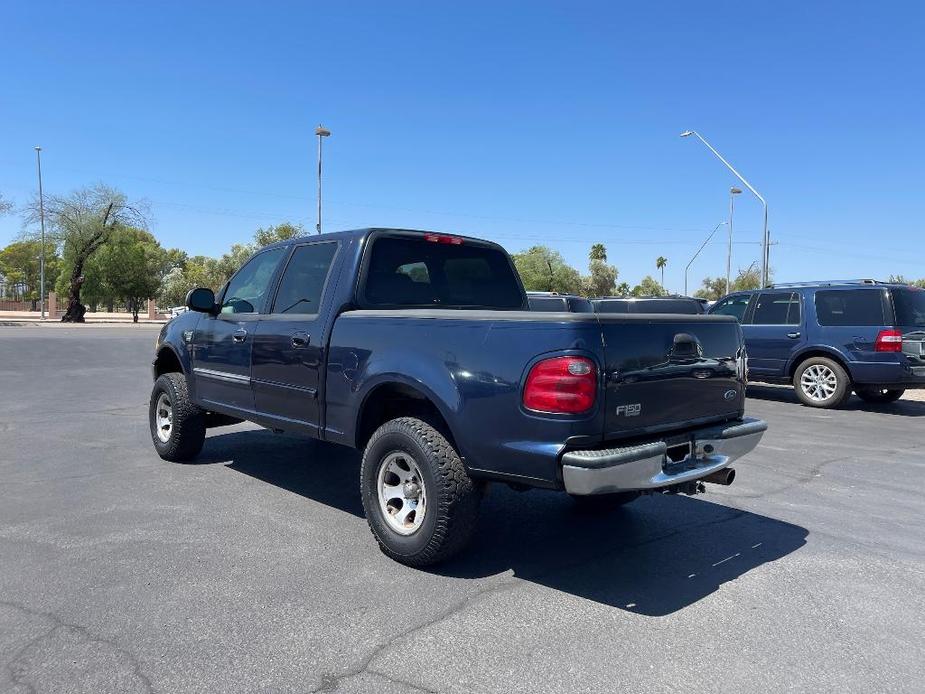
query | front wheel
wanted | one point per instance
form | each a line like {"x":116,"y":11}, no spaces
{"x":178,"y":427}
{"x":879,"y":396}
{"x":822,"y":382}
{"x":420,"y":503}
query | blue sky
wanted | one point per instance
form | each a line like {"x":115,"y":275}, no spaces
{"x":524,"y":123}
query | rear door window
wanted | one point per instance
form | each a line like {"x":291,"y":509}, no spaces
{"x":777,"y":308}
{"x":909,"y":305}
{"x":612,"y":306}
{"x":304,"y":278}
{"x":448,"y":272}
{"x":667,"y":306}
{"x":855,"y":307}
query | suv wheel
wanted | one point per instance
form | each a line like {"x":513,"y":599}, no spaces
{"x":420,"y":503}
{"x":878,"y":395}
{"x":178,"y":427}
{"x":822,"y":382}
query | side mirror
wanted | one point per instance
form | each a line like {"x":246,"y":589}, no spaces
{"x":201,"y":299}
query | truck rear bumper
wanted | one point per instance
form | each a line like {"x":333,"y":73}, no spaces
{"x":656,"y":464}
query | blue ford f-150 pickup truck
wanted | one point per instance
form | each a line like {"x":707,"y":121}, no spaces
{"x":418,"y":348}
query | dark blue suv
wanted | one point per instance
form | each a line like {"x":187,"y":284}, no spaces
{"x":831,"y":338}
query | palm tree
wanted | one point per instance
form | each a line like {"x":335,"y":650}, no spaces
{"x":660,"y":264}
{"x":598,"y":252}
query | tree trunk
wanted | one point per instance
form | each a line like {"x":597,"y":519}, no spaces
{"x":75,"y":310}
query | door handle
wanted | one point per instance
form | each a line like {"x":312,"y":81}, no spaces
{"x":239,"y":335}
{"x":299,"y":340}
{"x":793,"y":336}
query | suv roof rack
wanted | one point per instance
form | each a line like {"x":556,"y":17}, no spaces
{"x":823,"y":283}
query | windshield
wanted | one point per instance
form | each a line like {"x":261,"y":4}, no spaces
{"x":910,"y":307}
{"x":447,"y":272}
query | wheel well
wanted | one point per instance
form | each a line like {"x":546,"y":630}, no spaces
{"x":394,"y":400}
{"x":817,"y":353}
{"x":166,"y":362}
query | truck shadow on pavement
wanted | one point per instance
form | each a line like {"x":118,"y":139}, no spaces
{"x":653,"y":557}
{"x":904,"y":408}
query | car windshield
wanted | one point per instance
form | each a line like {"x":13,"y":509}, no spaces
{"x":910,"y":307}
{"x":439,"y":271}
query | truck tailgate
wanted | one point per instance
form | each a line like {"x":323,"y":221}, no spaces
{"x":667,"y":372}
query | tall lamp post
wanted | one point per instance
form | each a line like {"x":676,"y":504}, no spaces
{"x":322,"y":133}
{"x":732,"y":193}
{"x":765,"y":241}
{"x":38,"y":161}
{"x":704,"y":245}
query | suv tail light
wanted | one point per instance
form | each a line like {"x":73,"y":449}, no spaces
{"x":561,"y":385}
{"x":889,"y":341}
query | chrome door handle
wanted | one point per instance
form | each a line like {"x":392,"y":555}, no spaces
{"x":793,"y":336}
{"x":299,"y":340}
{"x":239,"y":335}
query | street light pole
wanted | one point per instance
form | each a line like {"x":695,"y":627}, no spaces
{"x":732,"y":193}
{"x":765,"y":238}
{"x":322,"y":133}
{"x":704,"y":245}
{"x":38,"y":161}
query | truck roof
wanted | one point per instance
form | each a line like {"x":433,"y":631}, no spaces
{"x":366,"y":231}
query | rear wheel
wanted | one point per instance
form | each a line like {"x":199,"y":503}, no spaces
{"x":822,"y":382}
{"x":420,"y":503}
{"x":879,"y":395}
{"x":601,"y":503}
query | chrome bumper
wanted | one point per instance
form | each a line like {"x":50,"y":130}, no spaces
{"x":647,"y":466}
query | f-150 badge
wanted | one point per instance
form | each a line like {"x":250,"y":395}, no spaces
{"x":633,"y":410}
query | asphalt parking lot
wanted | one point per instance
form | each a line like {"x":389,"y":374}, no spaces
{"x":253,"y":570}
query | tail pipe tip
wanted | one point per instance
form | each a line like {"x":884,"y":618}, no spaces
{"x":726,"y":476}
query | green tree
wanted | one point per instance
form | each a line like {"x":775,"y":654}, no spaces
{"x":280,"y":232}
{"x":129,"y":268}
{"x":900,"y":279}
{"x":196,"y":271}
{"x":623,"y":289}
{"x":601,"y":279}
{"x":20,"y":263}
{"x":81,"y":223}
{"x":649,"y":286}
{"x":543,"y":270}
{"x":749,"y":278}
{"x":713,"y":289}
{"x":660,"y":264}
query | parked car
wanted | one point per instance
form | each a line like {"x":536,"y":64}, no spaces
{"x":553,"y":301}
{"x":649,"y":304}
{"x":829,"y":338}
{"x":417,"y":348}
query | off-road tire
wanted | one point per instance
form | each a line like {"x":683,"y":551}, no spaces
{"x":842,"y":389}
{"x":188,"y":425}
{"x":452,"y":497}
{"x":878,"y":396}
{"x":602,"y":503}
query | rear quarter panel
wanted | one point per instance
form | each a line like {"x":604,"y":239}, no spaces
{"x":471,"y":365}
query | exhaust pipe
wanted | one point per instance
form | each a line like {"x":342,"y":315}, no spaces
{"x":726,"y":476}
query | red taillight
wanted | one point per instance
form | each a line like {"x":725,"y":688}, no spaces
{"x":561,"y":385}
{"x":889,"y":341}
{"x":440,"y":238}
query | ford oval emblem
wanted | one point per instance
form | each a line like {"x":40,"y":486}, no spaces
{"x":729,"y":395}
